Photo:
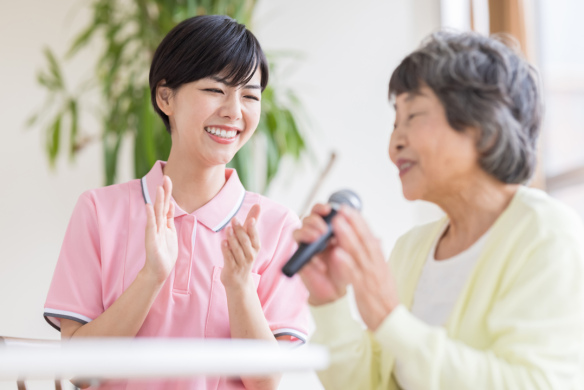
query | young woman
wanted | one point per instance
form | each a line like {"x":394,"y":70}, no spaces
{"x":186,"y":251}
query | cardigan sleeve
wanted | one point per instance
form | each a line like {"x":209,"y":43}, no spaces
{"x":358,"y":360}
{"x":536,"y":323}
{"x":356,"y":357}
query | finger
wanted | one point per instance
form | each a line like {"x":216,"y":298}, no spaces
{"x":170,"y":217}
{"x":167,"y":186}
{"x":317,"y":274}
{"x":362,"y":230}
{"x":150,"y":221}
{"x":318,"y":264}
{"x":158,"y":208}
{"x":343,"y":267}
{"x":306,"y":234}
{"x":313,"y":226}
{"x":234,"y":246}
{"x":253,"y":214}
{"x":312,"y":271}
{"x":316,"y":267}
{"x":243,"y":239}
{"x":315,"y":221}
{"x":348,"y":240}
{"x":253,"y":234}
{"x":228,"y":258}
{"x":378,"y":248}
{"x":321,"y":209}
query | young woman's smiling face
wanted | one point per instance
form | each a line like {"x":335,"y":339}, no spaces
{"x":210,"y":120}
{"x":431,"y":156}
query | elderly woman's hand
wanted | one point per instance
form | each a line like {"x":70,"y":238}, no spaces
{"x":372,"y":281}
{"x":325,"y":276}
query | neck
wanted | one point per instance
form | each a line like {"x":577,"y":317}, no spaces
{"x":193,"y":183}
{"x":472,"y":207}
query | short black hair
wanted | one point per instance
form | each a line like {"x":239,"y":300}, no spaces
{"x":485,"y":83}
{"x":204,"y":46}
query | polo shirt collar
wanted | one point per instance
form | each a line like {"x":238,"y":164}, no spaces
{"x":217,"y":213}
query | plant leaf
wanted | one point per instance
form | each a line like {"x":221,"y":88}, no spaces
{"x":131,"y":32}
{"x":74,"y":128}
{"x":111,"y":146}
{"x":54,"y":140}
{"x":82,"y":39}
{"x":54,"y":68}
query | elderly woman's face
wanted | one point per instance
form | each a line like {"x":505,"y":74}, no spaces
{"x":432,"y":157}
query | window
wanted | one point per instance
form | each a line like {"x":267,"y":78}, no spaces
{"x":561,"y":62}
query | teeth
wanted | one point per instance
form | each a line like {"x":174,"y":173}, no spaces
{"x":405,"y":166}
{"x":220,"y":132}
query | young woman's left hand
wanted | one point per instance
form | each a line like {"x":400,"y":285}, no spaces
{"x":373,"y":283}
{"x":240,"y":250}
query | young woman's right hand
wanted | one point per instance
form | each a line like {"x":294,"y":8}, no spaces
{"x":161,"y":238}
{"x":326,"y":276}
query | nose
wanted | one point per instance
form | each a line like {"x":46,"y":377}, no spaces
{"x":397,"y":141}
{"x":231,"y":108}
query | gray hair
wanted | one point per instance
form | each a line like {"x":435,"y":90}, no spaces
{"x":485,"y":84}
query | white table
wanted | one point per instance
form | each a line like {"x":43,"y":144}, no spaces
{"x":156,"y":358}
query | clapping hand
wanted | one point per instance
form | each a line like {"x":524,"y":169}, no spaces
{"x":240,"y":249}
{"x":161,"y":238}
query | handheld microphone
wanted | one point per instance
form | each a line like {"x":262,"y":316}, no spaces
{"x":305,"y":251}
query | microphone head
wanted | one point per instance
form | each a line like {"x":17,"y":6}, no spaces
{"x":347,"y":197}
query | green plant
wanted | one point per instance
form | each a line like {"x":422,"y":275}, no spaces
{"x":130,"y":32}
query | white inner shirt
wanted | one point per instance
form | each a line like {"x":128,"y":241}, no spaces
{"x":438,"y":289}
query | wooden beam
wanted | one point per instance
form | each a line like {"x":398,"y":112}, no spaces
{"x":508,"y":16}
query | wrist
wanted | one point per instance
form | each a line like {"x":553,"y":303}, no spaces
{"x":315,"y":301}
{"x":150,"y":278}
{"x":240,"y":287}
{"x":381,"y":311}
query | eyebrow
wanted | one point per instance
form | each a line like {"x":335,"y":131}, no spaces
{"x":247,"y":86}
{"x":414,"y":94}
{"x":411,"y":96}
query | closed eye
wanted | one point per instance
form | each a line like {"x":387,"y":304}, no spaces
{"x":252,"y":97}
{"x":215,"y":90}
{"x":415,"y":114}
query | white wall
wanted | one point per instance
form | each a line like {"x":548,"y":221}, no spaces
{"x":349,"y":50}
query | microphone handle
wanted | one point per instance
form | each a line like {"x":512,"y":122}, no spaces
{"x":305,"y":251}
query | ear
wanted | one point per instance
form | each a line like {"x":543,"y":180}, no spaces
{"x":475,"y":133}
{"x":164,"y":98}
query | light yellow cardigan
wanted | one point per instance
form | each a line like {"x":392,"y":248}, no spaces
{"x":518,"y":323}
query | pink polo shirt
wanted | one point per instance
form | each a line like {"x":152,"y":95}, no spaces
{"x":103,"y":251}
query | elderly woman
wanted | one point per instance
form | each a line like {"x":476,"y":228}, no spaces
{"x":492,"y":295}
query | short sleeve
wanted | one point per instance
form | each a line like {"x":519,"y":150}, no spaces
{"x":75,"y":291}
{"x":284,"y":299}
